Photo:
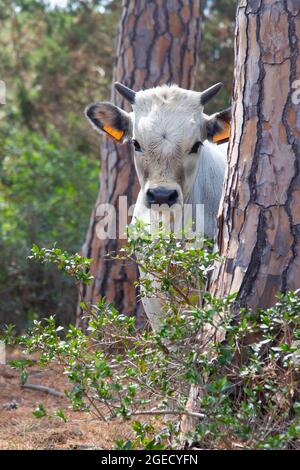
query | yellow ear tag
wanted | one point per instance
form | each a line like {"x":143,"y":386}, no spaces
{"x":113,"y":132}
{"x":222,"y":136}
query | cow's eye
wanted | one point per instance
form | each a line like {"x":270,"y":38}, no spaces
{"x":195,"y":147}
{"x":136,"y":145}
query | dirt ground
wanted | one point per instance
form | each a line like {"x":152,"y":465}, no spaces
{"x":19,"y":429}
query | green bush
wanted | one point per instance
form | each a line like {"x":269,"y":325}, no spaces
{"x":247,"y":379}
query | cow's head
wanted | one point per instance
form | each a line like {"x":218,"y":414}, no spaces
{"x":167,"y":128}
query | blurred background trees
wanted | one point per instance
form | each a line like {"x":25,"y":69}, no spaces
{"x":55,"y":58}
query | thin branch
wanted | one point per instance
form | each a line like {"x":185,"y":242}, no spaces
{"x":43,"y":388}
{"x":168,"y":412}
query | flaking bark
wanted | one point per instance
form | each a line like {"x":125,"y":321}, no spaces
{"x":259,"y":217}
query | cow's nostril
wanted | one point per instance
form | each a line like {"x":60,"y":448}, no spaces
{"x":151,"y":196}
{"x":173,"y":197}
{"x":162,"y":195}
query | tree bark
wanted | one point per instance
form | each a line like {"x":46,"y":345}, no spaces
{"x":157,"y":43}
{"x":259,"y":217}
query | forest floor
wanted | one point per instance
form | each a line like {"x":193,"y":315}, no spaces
{"x":20,"y":429}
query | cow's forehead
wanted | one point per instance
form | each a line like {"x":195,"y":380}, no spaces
{"x":167,"y":111}
{"x":168,"y":96}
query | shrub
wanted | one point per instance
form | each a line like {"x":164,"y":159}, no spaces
{"x":246,"y":379}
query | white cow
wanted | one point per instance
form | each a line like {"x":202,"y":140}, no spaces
{"x":176,"y":160}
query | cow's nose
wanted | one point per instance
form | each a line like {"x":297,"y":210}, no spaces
{"x":162,"y":195}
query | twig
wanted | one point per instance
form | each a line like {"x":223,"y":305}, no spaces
{"x":154,"y":274}
{"x":168,"y":412}
{"x":43,"y":388}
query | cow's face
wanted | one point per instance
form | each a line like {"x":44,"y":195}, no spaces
{"x":167,"y":129}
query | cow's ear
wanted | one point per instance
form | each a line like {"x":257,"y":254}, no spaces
{"x":218,"y":127}
{"x":109,"y":119}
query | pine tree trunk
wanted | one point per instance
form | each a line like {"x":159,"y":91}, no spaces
{"x":259,"y":216}
{"x":157,"y":43}
{"x":259,"y":220}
